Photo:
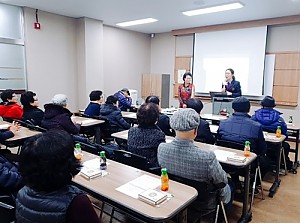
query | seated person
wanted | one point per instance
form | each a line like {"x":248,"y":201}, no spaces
{"x":184,"y":159}
{"x":203,"y":133}
{"x":9,"y":107}
{"x":111,"y":111}
{"x":163,"y":120}
{"x":57,"y":116}
{"x":93,"y":109}
{"x":30,"y":106}
{"x":10,"y":178}
{"x":144,"y":139}
{"x":270,"y":118}
{"x":240,"y":128}
{"x":9,"y":133}
{"x":125,"y":101}
{"x":47,"y":165}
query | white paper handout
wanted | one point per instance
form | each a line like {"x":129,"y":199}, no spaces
{"x":222,"y":155}
{"x":135,"y":187}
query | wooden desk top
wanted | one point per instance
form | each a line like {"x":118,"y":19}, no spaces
{"x":120,"y":174}
{"x":271,"y":137}
{"x":22,"y":134}
{"x":213,"y":117}
{"x":86,"y":122}
{"x":130,"y":115}
{"x":293,"y":126}
{"x":218,"y":150}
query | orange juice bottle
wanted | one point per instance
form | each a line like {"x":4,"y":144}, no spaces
{"x":247,"y":149}
{"x":278,"y":132}
{"x":78,"y":152}
{"x":164,"y":180}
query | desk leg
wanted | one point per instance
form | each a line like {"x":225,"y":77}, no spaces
{"x":277,"y":181}
{"x":247,"y":214}
{"x":182,"y":216}
{"x":296,"y":163}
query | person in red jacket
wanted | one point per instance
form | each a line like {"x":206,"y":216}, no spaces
{"x":9,"y":107}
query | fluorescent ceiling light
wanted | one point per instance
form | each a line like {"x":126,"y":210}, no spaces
{"x":217,"y":8}
{"x":137,"y":22}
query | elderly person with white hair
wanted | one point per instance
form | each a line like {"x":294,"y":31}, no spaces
{"x":184,"y":159}
{"x":57,"y":116}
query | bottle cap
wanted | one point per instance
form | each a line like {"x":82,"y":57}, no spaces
{"x":77,"y":146}
{"x":279,"y":127}
{"x":164,"y":170}
{"x":247,"y":143}
{"x":102,"y":153}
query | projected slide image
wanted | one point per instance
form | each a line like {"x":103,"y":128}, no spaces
{"x":214,"y":72}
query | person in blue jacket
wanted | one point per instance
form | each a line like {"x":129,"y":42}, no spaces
{"x":231,"y":86}
{"x":93,"y":109}
{"x":270,"y":119}
{"x":111,"y":111}
{"x":10,"y":178}
{"x":125,"y":101}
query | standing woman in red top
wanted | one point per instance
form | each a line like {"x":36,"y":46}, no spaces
{"x":186,"y":90}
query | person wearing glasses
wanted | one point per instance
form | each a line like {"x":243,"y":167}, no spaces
{"x":96,"y":99}
{"x":186,"y":90}
{"x":9,"y":107}
{"x":231,"y":87}
{"x":30,"y":104}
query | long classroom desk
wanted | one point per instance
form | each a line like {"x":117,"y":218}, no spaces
{"x":104,"y":189}
{"x":293,"y":130}
{"x":86,"y":122}
{"x":19,"y":138}
{"x":271,"y":139}
{"x":246,"y":212}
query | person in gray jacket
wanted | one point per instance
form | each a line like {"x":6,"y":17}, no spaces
{"x":184,"y":159}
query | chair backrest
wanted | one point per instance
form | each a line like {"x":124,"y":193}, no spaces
{"x":205,"y":206}
{"x":131,"y":159}
{"x":230,"y":144}
{"x":7,"y":208}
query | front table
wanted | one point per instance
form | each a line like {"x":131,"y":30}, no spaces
{"x":104,"y":189}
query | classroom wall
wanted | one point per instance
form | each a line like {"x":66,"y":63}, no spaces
{"x":75,"y":56}
{"x":126,"y":57}
{"x":163,"y":58}
{"x":51,"y":56}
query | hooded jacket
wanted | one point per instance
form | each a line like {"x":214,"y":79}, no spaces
{"x":270,"y":118}
{"x":124,"y":102}
{"x":58,"y":117}
{"x":114,"y":115}
{"x":10,"y":178}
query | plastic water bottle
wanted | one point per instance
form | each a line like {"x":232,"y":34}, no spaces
{"x":247,"y":149}
{"x":78,"y":152}
{"x":164,"y":180}
{"x":278,"y":132}
{"x":103,"y":164}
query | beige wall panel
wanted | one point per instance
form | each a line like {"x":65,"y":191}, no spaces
{"x":287,"y":61}
{"x":286,"y":77}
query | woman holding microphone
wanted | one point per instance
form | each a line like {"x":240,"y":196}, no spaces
{"x":186,"y":90}
{"x":231,"y":86}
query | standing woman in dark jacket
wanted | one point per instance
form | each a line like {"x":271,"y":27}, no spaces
{"x":57,"y":116}
{"x":231,"y":86}
{"x":144,"y":139}
{"x":30,"y":104}
{"x":111,"y":111}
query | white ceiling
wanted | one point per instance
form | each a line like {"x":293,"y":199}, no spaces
{"x":168,"y":12}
